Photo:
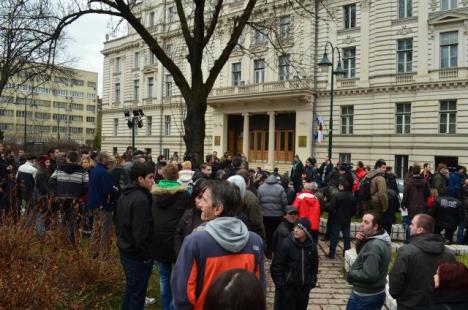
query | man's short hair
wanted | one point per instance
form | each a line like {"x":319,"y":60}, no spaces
{"x":425,"y":165}
{"x":73,"y":156}
{"x":244,"y":173}
{"x":101,"y":156}
{"x":426,"y":222}
{"x":227,"y":194}
{"x":170,"y":172}
{"x":140,"y":170}
{"x":416,"y":169}
{"x":441,"y":166}
{"x":376,"y":218}
{"x":379,"y":163}
{"x":205,"y":165}
{"x":236,"y":161}
{"x":208,"y":158}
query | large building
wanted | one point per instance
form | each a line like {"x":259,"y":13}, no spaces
{"x":403,"y":96}
{"x":63,"y":108}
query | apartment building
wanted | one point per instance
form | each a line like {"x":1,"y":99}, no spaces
{"x":402,"y":98}
{"x":63,"y":108}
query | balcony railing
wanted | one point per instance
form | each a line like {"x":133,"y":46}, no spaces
{"x":269,"y":87}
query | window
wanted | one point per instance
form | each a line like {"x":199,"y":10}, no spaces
{"x":404,"y":55}
{"x":236,"y":73}
{"x":448,"y":4}
{"x":118,"y":64}
{"x":349,"y":62}
{"x":405,"y":8}
{"x":117,"y":92}
{"x":170,"y":14}
{"x":114,"y":150}
{"x":168,"y":85}
{"x":152,"y":58}
{"x":285,"y":26}
{"x":92,"y":84}
{"x":166,"y":153}
{"x":347,"y":119}
{"x":150,"y":87}
{"x":259,"y":70}
{"x":260,"y":33}
{"x":448,"y":116}
{"x":90,"y":119}
{"x":403,"y":118}
{"x":90,"y":108}
{"x":75,"y":82}
{"x":149,"y":125}
{"x":169,"y":50}
{"x":116,"y":126}
{"x":283,"y":70}
{"x":448,"y":49}
{"x":151,"y":19}
{"x":345,"y":158}
{"x":167,"y":125}
{"x":136,"y":60}
{"x":8,"y":113}
{"x":401,"y":165}
{"x":349,"y":16}
{"x":136,"y":89}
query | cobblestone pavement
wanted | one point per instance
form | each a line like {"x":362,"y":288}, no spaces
{"x":332,"y":290}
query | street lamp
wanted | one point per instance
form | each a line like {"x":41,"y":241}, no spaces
{"x":133,"y":121}
{"x":338,"y":71}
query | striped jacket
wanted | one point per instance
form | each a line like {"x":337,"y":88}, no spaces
{"x":69,"y":181}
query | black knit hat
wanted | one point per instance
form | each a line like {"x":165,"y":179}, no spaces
{"x":303,"y":223}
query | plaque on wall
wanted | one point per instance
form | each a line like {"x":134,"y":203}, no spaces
{"x":217,"y":140}
{"x":302,"y":141}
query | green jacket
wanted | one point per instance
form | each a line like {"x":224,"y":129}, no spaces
{"x":368,"y":274}
{"x":253,"y":211}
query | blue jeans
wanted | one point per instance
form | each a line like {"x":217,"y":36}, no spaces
{"x":165,"y":272}
{"x":137,"y":274}
{"x":406,"y":221}
{"x":460,"y":232}
{"x":334,"y":234}
{"x":374,"y":302}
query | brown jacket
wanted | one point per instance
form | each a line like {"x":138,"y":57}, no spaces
{"x":378,"y":190}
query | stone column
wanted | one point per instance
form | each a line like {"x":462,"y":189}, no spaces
{"x":271,"y":140}
{"x":246,"y":135}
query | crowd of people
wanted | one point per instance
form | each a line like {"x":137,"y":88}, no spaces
{"x":209,"y":226}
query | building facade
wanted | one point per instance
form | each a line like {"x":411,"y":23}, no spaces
{"x":402,"y":98}
{"x":63,"y":108}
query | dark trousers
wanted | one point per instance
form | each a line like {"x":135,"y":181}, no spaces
{"x":137,"y":274}
{"x":334,"y":234}
{"x":271,"y":223}
{"x":68,"y":218}
{"x":449,"y":231}
{"x":291,"y":298}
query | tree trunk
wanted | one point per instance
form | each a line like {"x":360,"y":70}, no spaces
{"x":194,"y":123}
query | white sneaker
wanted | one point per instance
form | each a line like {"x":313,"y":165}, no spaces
{"x":149,"y":301}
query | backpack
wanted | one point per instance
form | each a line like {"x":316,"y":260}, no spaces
{"x":364,"y":193}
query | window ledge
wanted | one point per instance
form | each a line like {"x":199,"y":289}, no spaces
{"x":406,"y":20}
{"x":349,"y":30}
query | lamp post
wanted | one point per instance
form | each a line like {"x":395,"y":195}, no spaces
{"x":338,"y":71}
{"x":134,"y":120}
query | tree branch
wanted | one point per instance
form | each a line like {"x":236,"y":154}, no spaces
{"x":214,"y":22}
{"x":183,"y":23}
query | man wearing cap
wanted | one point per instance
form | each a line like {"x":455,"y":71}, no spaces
{"x":286,"y":227}
{"x":294,"y":268}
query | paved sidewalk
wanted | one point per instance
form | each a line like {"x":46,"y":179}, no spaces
{"x":332,"y":290}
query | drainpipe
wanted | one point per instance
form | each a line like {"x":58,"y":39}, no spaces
{"x":315,"y":68}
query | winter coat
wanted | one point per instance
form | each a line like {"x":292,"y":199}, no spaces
{"x":26,"y":180}
{"x":439,"y":182}
{"x":415,"y":194}
{"x":253,"y":212}
{"x":282,"y":232}
{"x":272,"y":197}
{"x":190,"y":220}
{"x":325,"y":171}
{"x":69,"y":180}
{"x":454,"y":185}
{"x":368,"y":274}
{"x":100,"y":187}
{"x":450,"y":299}
{"x":359,"y":174}
{"x":465,"y":203}
{"x":296,"y":171}
{"x":342,"y":208}
{"x":447,"y":212}
{"x":295,"y":264}
{"x":133,"y":223}
{"x":170,"y":200}
{"x":312,"y":175}
{"x":308,"y":205}
{"x":378,"y":190}
{"x":42,"y":181}
{"x":411,"y":279}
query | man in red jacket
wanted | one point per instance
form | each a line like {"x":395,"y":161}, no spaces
{"x":308,"y":205}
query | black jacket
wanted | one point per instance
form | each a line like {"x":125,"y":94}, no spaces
{"x":190,"y":220}
{"x":69,"y":180}
{"x":134,"y":224}
{"x":168,"y":207}
{"x":411,"y":279}
{"x":449,"y":299}
{"x":295,"y":264}
{"x":282,"y":232}
{"x":447,"y":212}
{"x":342,"y":208}
{"x":415,"y":194}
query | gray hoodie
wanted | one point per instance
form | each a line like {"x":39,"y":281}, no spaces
{"x":229,"y":232}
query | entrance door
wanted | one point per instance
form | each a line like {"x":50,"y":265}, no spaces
{"x":258,"y":148}
{"x":450,"y":161}
{"x":284,"y":145}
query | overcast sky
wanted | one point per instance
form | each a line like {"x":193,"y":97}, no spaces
{"x":86,"y":36}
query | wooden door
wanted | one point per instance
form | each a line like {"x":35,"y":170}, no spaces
{"x":258,"y":145}
{"x":284,"y":145}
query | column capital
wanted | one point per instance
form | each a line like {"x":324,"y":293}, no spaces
{"x":271,"y":113}
{"x":245,"y":114}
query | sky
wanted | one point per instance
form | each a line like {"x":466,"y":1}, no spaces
{"x":86,"y":38}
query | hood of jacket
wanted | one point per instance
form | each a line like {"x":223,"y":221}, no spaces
{"x":186,"y":175}
{"x":429,"y":243}
{"x":384,"y":236}
{"x":165,"y":194}
{"x":134,"y":187}
{"x":418,"y":181}
{"x":229,"y":232}
{"x":374,"y":173}
{"x":271,"y":179}
{"x":70,"y":168}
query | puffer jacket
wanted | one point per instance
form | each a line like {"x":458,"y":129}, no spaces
{"x":411,"y":279}
{"x":447,"y":212}
{"x":272,"y":197}
{"x":308,"y":205}
{"x":454,"y":185}
{"x":378,"y":190}
{"x":415,"y":194}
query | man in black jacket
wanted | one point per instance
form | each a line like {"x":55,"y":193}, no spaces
{"x":411,"y":279}
{"x":286,"y":227}
{"x":447,"y":212}
{"x":134,"y":226}
{"x":294,"y":268}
